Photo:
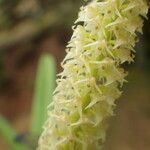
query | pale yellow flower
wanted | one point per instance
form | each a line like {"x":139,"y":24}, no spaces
{"x":103,"y":39}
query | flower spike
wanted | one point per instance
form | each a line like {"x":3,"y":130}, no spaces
{"x":103,"y":39}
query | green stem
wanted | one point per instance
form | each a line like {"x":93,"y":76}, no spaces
{"x":9,"y":134}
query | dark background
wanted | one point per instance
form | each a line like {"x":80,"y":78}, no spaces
{"x":29,"y":28}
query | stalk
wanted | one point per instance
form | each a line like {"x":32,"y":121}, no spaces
{"x":104,"y":37}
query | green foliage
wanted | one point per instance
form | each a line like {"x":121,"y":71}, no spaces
{"x":9,"y":134}
{"x":44,"y":85}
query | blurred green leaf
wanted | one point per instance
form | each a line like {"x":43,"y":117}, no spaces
{"x":9,"y":134}
{"x":44,"y":86}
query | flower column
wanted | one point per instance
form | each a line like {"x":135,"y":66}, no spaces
{"x":103,"y":39}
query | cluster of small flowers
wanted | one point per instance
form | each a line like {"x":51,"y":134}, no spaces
{"x":104,"y":38}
